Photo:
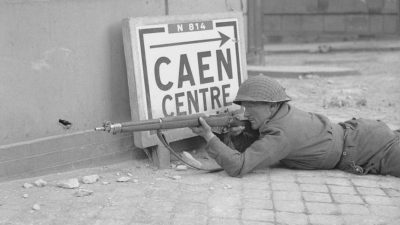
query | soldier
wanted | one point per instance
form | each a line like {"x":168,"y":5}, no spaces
{"x":299,"y":139}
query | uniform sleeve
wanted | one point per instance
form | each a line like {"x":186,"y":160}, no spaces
{"x":270,"y":148}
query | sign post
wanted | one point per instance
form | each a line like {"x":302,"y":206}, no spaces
{"x":181,"y":65}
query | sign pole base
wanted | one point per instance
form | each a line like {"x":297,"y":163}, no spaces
{"x":161,"y":157}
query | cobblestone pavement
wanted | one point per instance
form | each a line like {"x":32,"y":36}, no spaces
{"x":268,"y":196}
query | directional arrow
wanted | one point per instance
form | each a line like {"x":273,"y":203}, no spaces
{"x":223,"y":38}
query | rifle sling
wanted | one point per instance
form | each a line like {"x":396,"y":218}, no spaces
{"x":163,"y":140}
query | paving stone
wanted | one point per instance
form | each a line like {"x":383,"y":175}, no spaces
{"x":224,"y":212}
{"x":289,"y":206}
{"x":342,"y":190}
{"x":256,"y":185}
{"x":354,"y":209}
{"x":233,"y":201}
{"x":370,"y":191}
{"x":311,"y":180}
{"x":278,"y":186}
{"x":192,"y":220}
{"x":248,"y":222}
{"x":389,"y":182}
{"x":254,"y":203}
{"x":393,"y":192}
{"x":291,"y":218}
{"x":326,"y":220}
{"x":258,"y":215}
{"x":254,"y":200}
{"x":283,"y":178}
{"x":322,"y":208}
{"x":385,"y":211}
{"x":314,"y":188}
{"x":256,"y":193}
{"x":337,"y":173}
{"x":107,"y":221}
{"x":338,"y":181}
{"x":343,"y":198}
{"x":396,"y":201}
{"x":190,"y":209}
{"x":316,"y":197}
{"x":365,"y":182}
{"x":194,"y":197}
{"x":378,"y":200}
{"x":364,"y":219}
{"x":223,"y":221}
{"x":286,"y":196}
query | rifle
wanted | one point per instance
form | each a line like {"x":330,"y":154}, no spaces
{"x":219,"y":123}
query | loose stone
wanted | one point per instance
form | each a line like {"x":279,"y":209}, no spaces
{"x":69,"y":184}
{"x":40,"y":183}
{"x":90,"y":179}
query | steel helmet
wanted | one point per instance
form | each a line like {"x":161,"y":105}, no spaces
{"x":261,"y":89}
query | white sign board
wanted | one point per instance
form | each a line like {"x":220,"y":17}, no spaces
{"x":181,"y":65}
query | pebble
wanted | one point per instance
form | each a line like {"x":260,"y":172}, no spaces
{"x":105,"y":182}
{"x":27,"y":185}
{"x":90,"y":179}
{"x":36,"y":207}
{"x":83,"y":192}
{"x":129,"y":174}
{"x":227,"y":186}
{"x":123,"y":179}
{"x":135,"y":180}
{"x":69,"y":184}
{"x":181,"y":167}
{"x":25,"y":196}
{"x":176,"y":177}
{"x":40,"y":183}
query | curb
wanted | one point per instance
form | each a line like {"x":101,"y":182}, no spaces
{"x":297,"y":71}
{"x":333,"y":47}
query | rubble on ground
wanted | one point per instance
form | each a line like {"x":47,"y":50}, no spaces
{"x":40,"y":183}
{"x":68,"y":184}
{"x":27,"y":185}
{"x":36,"y":207}
{"x":348,"y":101}
{"x":90,"y":179}
{"x":83,"y":192}
{"x":123,"y":179}
{"x":181,"y":167}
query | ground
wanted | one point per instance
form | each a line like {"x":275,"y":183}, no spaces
{"x":375,"y":93}
{"x":267,"y":196}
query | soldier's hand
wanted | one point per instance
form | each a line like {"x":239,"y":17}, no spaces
{"x":203,"y":130}
{"x":235,"y":131}
{"x":238,"y":114}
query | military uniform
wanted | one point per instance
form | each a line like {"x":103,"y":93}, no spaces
{"x":302,"y":140}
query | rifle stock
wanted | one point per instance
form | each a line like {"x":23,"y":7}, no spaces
{"x":219,"y":120}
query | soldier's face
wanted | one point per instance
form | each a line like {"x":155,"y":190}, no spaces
{"x":257,"y":113}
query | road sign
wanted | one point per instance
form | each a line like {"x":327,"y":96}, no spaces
{"x":180,"y":65}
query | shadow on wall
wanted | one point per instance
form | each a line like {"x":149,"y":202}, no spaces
{"x":120,"y":80}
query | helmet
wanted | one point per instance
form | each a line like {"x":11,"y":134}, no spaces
{"x":261,"y":89}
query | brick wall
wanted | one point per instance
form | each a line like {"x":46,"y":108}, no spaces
{"x":314,"y":20}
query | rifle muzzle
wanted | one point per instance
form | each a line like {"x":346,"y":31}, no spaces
{"x":110,"y":127}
